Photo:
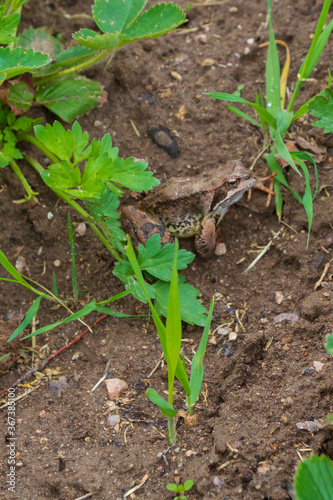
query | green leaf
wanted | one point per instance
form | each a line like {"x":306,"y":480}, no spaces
{"x":164,"y":406}
{"x":329,"y":344}
{"x":4,"y":356}
{"x":104,"y":211}
{"x":191,"y":310}
{"x":114,"y":16}
{"x":322,"y":108}
{"x":92,"y":306}
{"x":188,"y":484}
{"x":39,"y":41}
{"x":240,"y":113}
{"x":173,"y":328}
{"x":158,"y":261}
{"x":69,"y":97}
{"x":283,"y":121}
{"x":133,"y":175}
{"x":283,"y":151}
{"x":262,"y":112}
{"x":97,"y":41}
{"x":314,"y":479}
{"x":318,"y":49}
{"x":273,"y":97}
{"x":8,"y":25}
{"x":32,"y":311}
{"x":197,"y":369}
{"x":20,"y":96}
{"x":171,"y":487}
{"x":155,"y":22}
{"x":58,"y":140}
{"x":8,"y":150}
{"x":17,"y":61}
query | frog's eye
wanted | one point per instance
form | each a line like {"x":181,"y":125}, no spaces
{"x":232,"y":183}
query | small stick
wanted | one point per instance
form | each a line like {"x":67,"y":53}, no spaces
{"x":43,"y":363}
{"x":262,"y":253}
{"x":142,"y":482}
{"x":107,"y":368}
{"x":321,"y":279}
{"x":86,"y":496}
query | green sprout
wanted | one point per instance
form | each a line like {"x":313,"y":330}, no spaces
{"x":180,"y":488}
{"x":170,"y":338}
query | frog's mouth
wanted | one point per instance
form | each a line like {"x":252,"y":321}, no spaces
{"x":234,"y":195}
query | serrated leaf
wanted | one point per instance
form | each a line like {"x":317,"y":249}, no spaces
{"x":8,"y":151}
{"x":17,"y":61}
{"x":69,"y":97}
{"x":8,"y":25}
{"x":123,"y":270}
{"x":58,"y":140}
{"x":164,"y":406}
{"x":322,"y":108}
{"x":68,"y":58}
{"x":158,"y":260}
{"x":40,"y":41}
{"x":104,"y":211}
{"x":191,"y":310}
{"x":20,"y":96}
{"x":116,"y":15}
{"x":314,"y":479}
{"x":24,"y":124}
{"x":155,"y":22}
{"x":133,"y":175}
{"x":97,"y":41}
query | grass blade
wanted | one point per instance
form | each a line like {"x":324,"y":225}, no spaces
{"x":32,"y":311}
{"x":173,"y":330}
{"x":262,"y":112}
{"x":273,"y":98}
{"x":278,"y":199}
{"x":72,"y":245}
{"x":244,"y":115}
{"x":164,"y":406}
{"x":197,"y":369}
{"x":283,"y":151}
{"x":54,"y":285}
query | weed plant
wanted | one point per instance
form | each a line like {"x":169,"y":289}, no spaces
{"x":275,"y":120}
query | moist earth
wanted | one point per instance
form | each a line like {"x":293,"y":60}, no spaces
{"x":266,"y":369}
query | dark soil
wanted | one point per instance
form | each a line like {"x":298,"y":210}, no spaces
{"x":259,"y":385}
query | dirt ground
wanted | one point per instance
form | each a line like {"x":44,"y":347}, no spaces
{"x":262,"y":375}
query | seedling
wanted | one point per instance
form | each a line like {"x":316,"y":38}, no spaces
{"x":275,"y":121}
{"x":170,"y":338}
{"x":180,"y":488}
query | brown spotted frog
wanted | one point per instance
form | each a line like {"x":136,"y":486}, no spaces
{"x":189,"y":206}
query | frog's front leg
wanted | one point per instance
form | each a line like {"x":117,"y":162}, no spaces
{"x":141,"y":226}
{"x":205,"y":240}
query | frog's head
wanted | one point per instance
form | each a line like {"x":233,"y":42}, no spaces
{"x":237,"y":181}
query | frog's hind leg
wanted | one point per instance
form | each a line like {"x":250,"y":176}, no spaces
{"x":205,"y":240}
{"x":141,"y":226}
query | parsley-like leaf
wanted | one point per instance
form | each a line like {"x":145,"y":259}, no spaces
{"x":322,"y":108}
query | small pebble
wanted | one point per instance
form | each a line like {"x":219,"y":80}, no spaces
{"x":39,"y":251}
{"x":232,"y":336}
{"x":246,"y":51}
{"x":177,"y":450}
{"x":233,"y":10}
{"x":263,"y":321}
{"x":42,"y":414}
{"x":57,"y":263}
{"x":237,"y":54}
{"x":81,"y":229}
{"x":307,"y":372}
{"x":207,"y":62}
{"x":97,"y":123}
{"x":201,"y":38}
{"x":218,"y":482}
{"x":20,"y":264}
{"x":113,"y":420}
{"x":223,"y":331}
{"x":220,"y":249}
{"x":250,"y":41}
{"x":279,"y":297}
{"x":50,"y":215}
{"x":318,"y":366}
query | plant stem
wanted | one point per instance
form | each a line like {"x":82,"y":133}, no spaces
{"x":172,"y":430}
{"x":39,"y":169}
{"x":31,"y":195}
{"x":79,"y":67}
{"x":39,"y":145}
{"x":301,"y":75}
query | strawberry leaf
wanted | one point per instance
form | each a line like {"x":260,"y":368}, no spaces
{"x":20,"y":96}
{"x":97,"y":41}
{"x":69,"y":97}
{"x":40,"y":41}
{"x":116,"y":15}
{"x":8,"y":25}
{"x":17,"y":61}
{"x":322,"y":108}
